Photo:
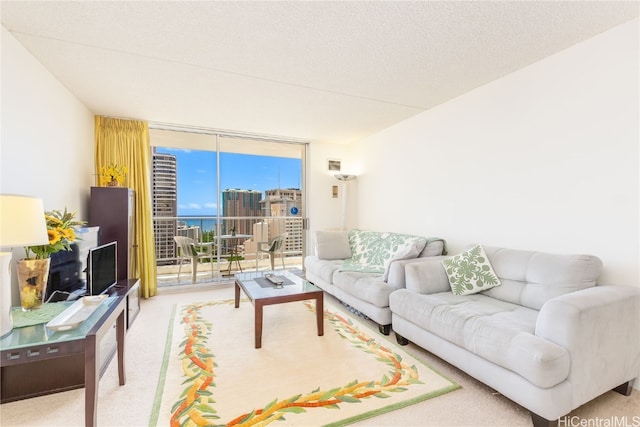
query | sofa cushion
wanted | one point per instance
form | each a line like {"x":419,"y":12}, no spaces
{"x":372,"y":251}
{"x":322,"y":268}
{"x":497,"y":331}
{"x":332,"y":245}
{"x":532,"y":278}
{"x":470,"y":272}
{"x":367,"y":287}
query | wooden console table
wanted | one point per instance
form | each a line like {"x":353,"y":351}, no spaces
{"x":35,"y":361}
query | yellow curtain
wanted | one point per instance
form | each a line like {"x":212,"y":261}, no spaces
{"x":126,"y":143}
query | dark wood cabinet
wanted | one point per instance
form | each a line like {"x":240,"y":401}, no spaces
{"x":112,"y":209}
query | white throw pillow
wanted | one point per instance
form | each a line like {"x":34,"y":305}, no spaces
{"x":470,"y":272}
{"x":332,"y":245}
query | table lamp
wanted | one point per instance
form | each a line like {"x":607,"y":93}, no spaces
{"x":22,"y":223}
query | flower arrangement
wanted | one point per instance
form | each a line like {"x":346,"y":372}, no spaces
{"x":60,"y":231}
{"x":111,"y":173}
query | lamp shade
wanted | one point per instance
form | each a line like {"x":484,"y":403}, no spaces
{"x":22,"y":221}
{"x":344,"y":177}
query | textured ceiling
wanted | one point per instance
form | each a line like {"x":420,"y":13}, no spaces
{"x":324,"y":71}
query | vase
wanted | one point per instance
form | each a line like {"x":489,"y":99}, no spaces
{"x":113,"y":183}
{"x":33,"y":275}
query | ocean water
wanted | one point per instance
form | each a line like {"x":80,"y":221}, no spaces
{"x":205,"y":223}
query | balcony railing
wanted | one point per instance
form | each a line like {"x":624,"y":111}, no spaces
{"x":235,"y":240}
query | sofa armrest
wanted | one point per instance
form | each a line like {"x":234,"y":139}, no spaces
{"x":599,"y":328}
{"x":435,"y":247}
{"x":426,"y":275}
{"x":397,"y":272}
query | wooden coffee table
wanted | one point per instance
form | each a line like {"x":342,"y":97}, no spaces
{"x":261,"y":293}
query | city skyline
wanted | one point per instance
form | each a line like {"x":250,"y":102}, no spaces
{"x":196,"y":175}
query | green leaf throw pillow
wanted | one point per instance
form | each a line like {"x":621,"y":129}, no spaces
{"x":372,"y":251}
{"x":470,"y":272}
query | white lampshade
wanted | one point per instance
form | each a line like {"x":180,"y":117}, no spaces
{"x":344,"y":177}
{"x":22,"y":221}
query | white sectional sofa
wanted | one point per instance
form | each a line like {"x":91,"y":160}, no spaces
{"x":361,"y":268}
{"x":534,"y":326}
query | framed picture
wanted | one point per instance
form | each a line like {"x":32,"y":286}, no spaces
{"x":333,"y":165}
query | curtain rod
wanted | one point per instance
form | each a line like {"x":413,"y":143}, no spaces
{"x":225,"y":133}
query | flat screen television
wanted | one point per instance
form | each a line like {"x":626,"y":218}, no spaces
{"x":102,"y":268}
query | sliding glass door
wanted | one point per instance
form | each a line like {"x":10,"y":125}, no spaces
{"x":231,"y":195}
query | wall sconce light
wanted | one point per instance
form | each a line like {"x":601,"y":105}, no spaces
{"x":344,"y":177}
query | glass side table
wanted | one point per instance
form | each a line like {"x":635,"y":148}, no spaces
{"x":35,"y":360}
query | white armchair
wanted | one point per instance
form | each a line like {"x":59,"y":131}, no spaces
{"x":273,"y":246}
{"x":194,"y":251}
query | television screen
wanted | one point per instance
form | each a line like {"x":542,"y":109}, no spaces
{"x":102,"y":268}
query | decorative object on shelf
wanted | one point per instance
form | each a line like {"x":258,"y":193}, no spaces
{"x":77,"y":313}
{"x":33,"y":271}
{"x":21,"y":223}
{"x":113,"y":175}
{"x":32,"y":281}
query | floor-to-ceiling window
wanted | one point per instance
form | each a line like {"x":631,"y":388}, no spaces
{"x":230,"y":195}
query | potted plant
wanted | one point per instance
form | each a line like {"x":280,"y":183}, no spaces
{"x":33,"y":271}
{"x":113,"y":175}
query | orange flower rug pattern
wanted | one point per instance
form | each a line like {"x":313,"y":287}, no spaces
{"x":213,"y":376}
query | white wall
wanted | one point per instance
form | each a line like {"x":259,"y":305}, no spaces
{"x":47,"y":134}
{"x":545,"y":158}
{"x":46,"y":146}
{"x":324,"y":210}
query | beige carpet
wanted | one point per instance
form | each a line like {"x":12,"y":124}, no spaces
{"x":215,"y":376}
{"x":131,"y":405}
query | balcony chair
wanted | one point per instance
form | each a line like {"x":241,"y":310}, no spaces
{"x":272,"y":246}
{"x":190,"y":249}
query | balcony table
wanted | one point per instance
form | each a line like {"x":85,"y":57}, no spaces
{"x":233,"y":248}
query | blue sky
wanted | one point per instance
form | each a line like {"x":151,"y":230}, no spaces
{"x":197,"y":176}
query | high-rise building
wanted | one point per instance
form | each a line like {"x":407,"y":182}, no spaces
{"x":282,"y":202}
{"x":287,"y":203}
{"x":165,"y":203}
{"x":240,"y":203}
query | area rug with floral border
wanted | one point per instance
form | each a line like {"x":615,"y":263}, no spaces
{"x":213,"y":375}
